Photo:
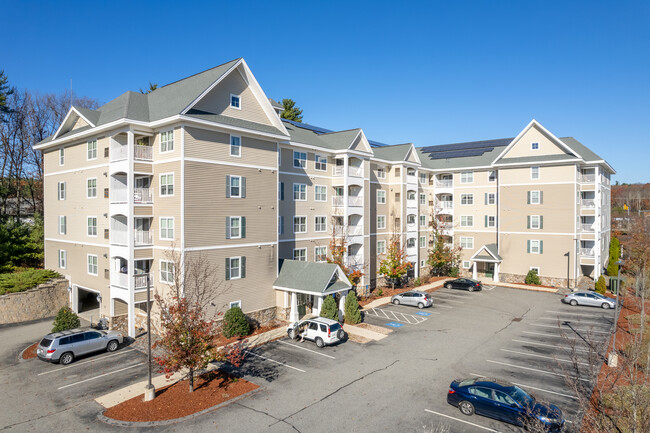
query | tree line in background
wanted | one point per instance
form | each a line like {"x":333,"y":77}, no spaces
{"x":635,"y":196}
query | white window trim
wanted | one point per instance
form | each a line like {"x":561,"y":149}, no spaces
{"x":61,"y":153}
{"x":467,"y":237}
{"x":492,"y":195}
{"x":299,"y":159}
{"x":59,"y":191}
{"x":160,"y":184}
{"x":160,"y":229}
{"x":316,"y":195}
{"x":96,"y":147}
{"x":240,"y":146}
{"x":316,"y":254}
{"x":495,"y":221}
{"x":381,"y":202}
{"x":383,"y":242}
{"x":161,"y":141}
{"x":422,"y":244}
{"x":425,"y":199}
{"x":230,"y":186}
{"x":294,"y":223}
{"x":96,"y":226}
{"x":88,"y":189}
{"x":469,"y":173}
{"x":466,"y":219}
{"x":538,"y":196}
{"x":383,"y":227}
{"x":160,"y":271}
{"x":538,"y":246}
{"x":539,"y":173}
{"x":468,"y":196}
{"x":468,"y":262}
{"x":423,"y":219}
{"x":316,"y":156}
{"x":532,"y":145}
{"x":88,"y":256}
{"x":230,"y":101}
{"x":488,"y":176}
{"x":381,"y":170}
{"x":238,"y":267}
{"x":63,"y":264}
{"x":299,"y":249}
{"x":66,"y":225}
{"x":238,"y":217}
{"x":320,"y":216}
{"x":293,"y":192}
{"x":538,"y":222}
{"x":235,"y":304}
{"x":535,"y":268}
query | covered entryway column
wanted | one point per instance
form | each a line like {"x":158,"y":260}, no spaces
{"x":342,"y":305}
{"x":318,"y":304}
{"x":474,"y":270}
{"x":293,"y":315}
{"x":496,"y":273}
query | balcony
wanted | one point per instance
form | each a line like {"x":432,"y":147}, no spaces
{"x":338,"y":200}
{"x":588,"y":203}
{"x":445,"y":204}
{"x":119,"y":237}
{"x":339,"y":230}
{"x":356,"y":261}
{"x":140,"y":281}
{"x":355,"y":230}
{"x":143,"y":237}
{"x":355,"y":201}
{"x":587,"y":252}
{"x":118,"y":152}
{"x":118,"y":194}
{"x":444,"y":183}
{"x":142,"y":195}
{"x":589,"y":228}
{"x":355,"y":171}
{"x":587,"y":177}
{"x":338,"y":170}
{"x":445,"y":225}
{"x":143,"y":152}
{"x":122,"y":280}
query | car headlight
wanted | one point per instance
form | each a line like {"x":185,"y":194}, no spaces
{"x":547,"y":419}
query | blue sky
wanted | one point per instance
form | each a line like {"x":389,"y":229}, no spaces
{"x":421,"y":72}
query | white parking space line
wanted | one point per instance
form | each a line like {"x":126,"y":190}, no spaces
{"x":76,"y":364}
{"x":577,"y":321}
{"x":461,"y":420}
{"x":101,"y":375}
{"x":450,"y":300}
{"x":555,"y":346}
{"x":532,"y":369}
{"x":555,"y":327}
{"x":411,"y":319}
{"x":536,"y":389}
{"x":274,"y":361}
{"x":578,"y":314}
{"x":453,"y":294}
{"x":308,"y":350}
{"x":559,"y":336}
{"x":542,"y":356}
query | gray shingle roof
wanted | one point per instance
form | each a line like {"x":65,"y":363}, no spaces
{"x":329,"y":140}
{"x":309,"y":277}
{"x":581,"y":149}
{"x":540,"y":158}
{"x":462,"y":162}
{"x":396,"y":152}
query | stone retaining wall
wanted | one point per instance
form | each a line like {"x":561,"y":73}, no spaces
{"x":44,"y":300}
{"x":545,"y":281}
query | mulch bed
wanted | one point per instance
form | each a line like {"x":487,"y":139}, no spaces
{"x":388,"y":291}
{"x":220,"y":340}
{"x":30,"y":352}
{"x":175,"y":401}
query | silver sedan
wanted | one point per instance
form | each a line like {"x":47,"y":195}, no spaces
{"x":415,"y":298}
{"x":592,"y":299}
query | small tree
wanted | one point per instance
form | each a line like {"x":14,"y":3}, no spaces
{"x":329,"y":309}
{"x":442,"y":259}
{"x":66,"y":319}
{"x":291,"y":111}
{"x":235,"y":323}
{"x":532,"y":278}
{"x":614,"y":255}
{"x":337,"y":250}
{"x":352,"y":313}
{"x":601,"y":285}
{"x":395,"y":265}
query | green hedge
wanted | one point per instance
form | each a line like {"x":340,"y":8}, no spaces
{"x":235,"y":323}
{"x":24,"y":279}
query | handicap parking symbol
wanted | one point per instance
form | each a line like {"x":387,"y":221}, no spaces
{"x":423,"y":313}
{"x":395,"y":324}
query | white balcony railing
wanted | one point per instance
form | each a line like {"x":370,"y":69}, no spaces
{"x":446,"y":204}
{"x":118,"y":194}
{"x":587,"y":252}
{"x":355,"y":201}
{"x":143,"y":237}
{"x":587,"y":227}
{"x":339,"y":230}
{"x":446,"y":225}
{"x":588,"y":202}
{"x":120,"y":279}
{"x":355,"y":230}
{"x":355,"y":260}
{"x":338,"y":200}
{"x":338,"y":170}
{"x":119,"y":237}
{"x":444,"y":183}
{"x":587,"y":177}
{"x":140,"y":281}
{"x":355,"y":171}
{"x":118,"y":152}
{"x":411,"y":203}
{"x":142,"y":195}
{"x":143,"y":152}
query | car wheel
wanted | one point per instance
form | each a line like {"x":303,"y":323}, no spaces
{"x":573,"y":302}
{"x":112,"y":346}
{"x":471,"y":288}
{"x":420,"y":305}
{"x":319,"y":342}
{"x":340,"y":334}
{"x":448,"y":285}
{"x":396,"y":301}
{"x":292,"y":334}
{"x":605,"y":306}
{"x":466,"y":408}
{"x":66,"y":358}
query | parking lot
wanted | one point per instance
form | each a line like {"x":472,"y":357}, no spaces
{"x":398,"y":383}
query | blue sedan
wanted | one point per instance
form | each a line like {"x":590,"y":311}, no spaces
{"x":503,"y":401}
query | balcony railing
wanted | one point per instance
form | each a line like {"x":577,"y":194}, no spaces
{"x":338,"y":170}
{"x":338,"y":200}
{"x":120,"y":279}
{"x":587,"y":177}
{"x":355,"y":171}
{"x":142,"y":195}
{"x":118,"y":194}
{"x":444,"y":183}
{"x":588,"y":202}
{"x":339,"y":230}
{"x":355,"y":260}
{"x":355,"y":201}
{"x":355,"y":230}
{"x":119,"y":237}
{"x":446,"y":225}
{"x":143,"y":237}
{"x":587,"y":227}
{"x":446,"y":204}
{"x":140,"y":281}
{"x":118,"y":152}
{"x":587,"y":252}
{"x":143,"y":152}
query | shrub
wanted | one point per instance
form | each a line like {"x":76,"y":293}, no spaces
{"x":532,"y":277}
{"x":66,"y":319}
{"x":601,"y":285}
{"x":453,"y":272}
{"x":614,"y":255}
{"x":329,"y":309}
{"x":380,"y":292}
{"x":24,"y":280}
{"x":417,"y":282}
{"x":352,"y":313}
{"x":235,"y":323}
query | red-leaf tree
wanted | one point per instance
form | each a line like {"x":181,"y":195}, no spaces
{"x":395,"y":265}
{"x":337,"y":251}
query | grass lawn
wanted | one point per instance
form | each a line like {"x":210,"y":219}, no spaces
{"x":24,"y":279}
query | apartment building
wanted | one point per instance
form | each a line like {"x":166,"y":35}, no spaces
{"x":205,"y":167}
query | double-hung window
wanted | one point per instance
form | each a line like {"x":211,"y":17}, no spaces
{"x":467,"y":221}
{"x":299,"y":159}
{"x":235,"y":186}
{"x":320,"y":193}
{"x":63,"y":259}
{"x":467,"y":177}
{"x":423,"y":178}
{"x":320,"y":224}
{"x":535,"y":247}
{"x":423,"y":220}
{"x":490,"y":198}
{"x":235,"y":145}
{"x":62,"y":225}
{"x":534,"y":197}
{"x":299,"y":192}
{"x":92,"y":226}
{"x":92,"y":149}
{"x":166,"y":271}
{"x":423,"y":241}
{"x":381,"y":173}
{"x":490,"y":221}
{"x":61,"y":190}
{"x":492,"y":176}
{"x":423,"y":199}
{"x":467,"y":242}
{"x":61,"y":156}
{"x":467,"y":199}
{"x":381,"y":196}
{"x":410,"y":219}
{"x":235,"y":268}
{"x":92,"y":264}
{"x":381,"y":247}
{"x":534,"y":172}
{"x":535,"y":222}
{"x":300,"y":254}
{"x":320,"y":162}
{"x":300,"y":224}
{"x":167,"y":228}
{"x":166,"y":141}
{"x":381,"y":221}
{"x":320,"y":254}
{"x":167,"y":184}
{"x":410,"y":243}
{"x":91,"y":188}
{"x":234,"y":227}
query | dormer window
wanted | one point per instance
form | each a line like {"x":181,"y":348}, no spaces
{"x":235,"y":101}
{"x":534,"y":146}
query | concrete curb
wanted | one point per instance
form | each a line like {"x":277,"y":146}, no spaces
{"x":366,"y":333}
{"x":103,"y":418}
{"x":386,"y":299}
{"x":526,"y":287}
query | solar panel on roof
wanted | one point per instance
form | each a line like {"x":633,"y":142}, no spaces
{"x":468,"y":145}
{"x":316,"y":129}
{"x":458,"y":153}
{"x":376,"y":144}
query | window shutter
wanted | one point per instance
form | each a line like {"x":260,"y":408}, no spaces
{"x":227,"y":186}
{"x":227,"y":227}
{"x":227,"y":268}
{"x":541,"y":197}
{"x":528,"y":222}
{"x":242,"y":263}
{"x":486,"y":200}
{"x":527,"y":247}
{"x":243,"y":227}
{"x":528,"y":197}
{"x":486,"y":220}
{"x":541,"y":221}
{"x":541,"y":247}
{"x":281,"y":190}
{"x":281,"y":230}
{"x":243,"y":187}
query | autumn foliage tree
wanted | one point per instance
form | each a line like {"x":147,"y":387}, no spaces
{"x":442,"y":257}
{"x":395,"y":265}
{"x":337,"y":251}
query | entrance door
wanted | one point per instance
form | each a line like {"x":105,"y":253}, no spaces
{"x":489,"y":270}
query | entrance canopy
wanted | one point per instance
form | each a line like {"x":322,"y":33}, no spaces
{"x":489,"y":259}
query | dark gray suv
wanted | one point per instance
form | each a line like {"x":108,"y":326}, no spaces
{"x":65,"y":346}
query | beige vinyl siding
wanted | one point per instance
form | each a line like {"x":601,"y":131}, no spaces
{"x":289,"y":208}
{"x":286,"y":248}
{"x":215,"y":146}
{"x":480,"y":239}
{"x":144,"y":210}
{"x":80,"y":123}
{"x":523,"y":146}
{"x":552,"y":262}
{"x":143,"y":253}
{"x":218,"y":100}
{"x":167,"y":206}
{"x":143,"y":168}
{"x":286,"y":162}
{"x":161,"y":156}
{"x":206,"y":205}
{"x":75,"y":156}
{"x":557,"y":208}
{"x":547,"y":173}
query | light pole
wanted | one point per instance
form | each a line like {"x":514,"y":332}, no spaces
{"x":612,"y":358}
{"x":149,"y":390}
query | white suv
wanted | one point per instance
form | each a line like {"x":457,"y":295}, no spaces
{"x":319,"y":329}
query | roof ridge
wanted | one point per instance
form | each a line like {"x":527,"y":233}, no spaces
{"x":198,"y":73}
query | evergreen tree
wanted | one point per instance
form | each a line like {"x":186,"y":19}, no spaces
{"x":291,"y":112}
{"x":329,"y":309}
{"x":235,"y":323}
{"x":614,"y":256}
{"x":601,"y":285}
{"x":66,"y":319}
{"x":152,"y":87}
{"x":352,"y":313}
{"x":5,"y":90}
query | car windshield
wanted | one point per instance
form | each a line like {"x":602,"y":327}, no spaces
{"x":598,"y":295}
{"x":521,"y":397}
{"x":334,"y":327}
{"x":46,"y":342}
